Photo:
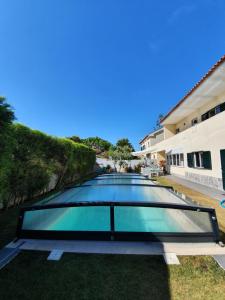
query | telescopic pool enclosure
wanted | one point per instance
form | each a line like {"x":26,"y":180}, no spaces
{"x":118,"y":207}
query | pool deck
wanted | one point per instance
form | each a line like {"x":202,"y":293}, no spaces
{"x":113,"y":247}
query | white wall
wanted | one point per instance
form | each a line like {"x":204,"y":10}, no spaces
{"x":186,"y":122}
{"x":104,"y":162}
{"x":205,"y":136}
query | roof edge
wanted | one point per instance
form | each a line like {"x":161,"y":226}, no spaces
{"x":151,"y":133}
{"x":207,"y":75}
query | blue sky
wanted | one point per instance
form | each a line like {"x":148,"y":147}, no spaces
{"x":104,"y":67}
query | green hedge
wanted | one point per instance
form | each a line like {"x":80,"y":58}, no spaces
{"x":31,"y":159}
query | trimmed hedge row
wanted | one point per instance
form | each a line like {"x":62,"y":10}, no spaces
{"x":33,"y":163}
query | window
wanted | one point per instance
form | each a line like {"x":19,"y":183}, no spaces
{"x":190,"y":160}
{"x":201,"y":159}
{"x":175,"y":160}
{"x":222,"y":107}
{"x":207,"y":162}
{"x":194,"y":121}
{"x":182,"y":159}
{"x":217,"y":109}
{"x":177,"y":130}
{"x":198,"y":159}
{"x":205,"y":117}
{"x":214,"y":111}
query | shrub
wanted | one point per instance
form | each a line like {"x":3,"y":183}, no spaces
{"x":32,"y":158}
{"x":108,"y":168}
{"x":137,"y":168}
{"x":129,"y":169}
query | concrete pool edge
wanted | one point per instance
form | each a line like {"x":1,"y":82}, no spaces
{"x":119,"y":247}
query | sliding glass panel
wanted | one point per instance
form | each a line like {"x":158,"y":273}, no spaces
{"x":151,"y":219}
{"x":93,"y":218}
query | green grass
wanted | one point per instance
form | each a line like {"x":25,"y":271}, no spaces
{"x":81,"y":276}
{"x":8,"y":221}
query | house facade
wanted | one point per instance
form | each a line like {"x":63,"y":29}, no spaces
{"x":149,"y":141}
{"x":192,"y":138}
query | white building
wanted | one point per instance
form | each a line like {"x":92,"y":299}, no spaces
{"x":192,"y":140}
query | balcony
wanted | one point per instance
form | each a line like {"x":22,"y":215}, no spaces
{"x":199,"y":137}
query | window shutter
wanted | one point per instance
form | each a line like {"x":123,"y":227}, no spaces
{"x":207,"y":162}
{"x":222,"y":107}
{"x":190,"y":160}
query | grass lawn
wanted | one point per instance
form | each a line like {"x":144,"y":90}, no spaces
{"x":8,"y":223}
{"x":81,"y":276}
{"x":199,"y":198}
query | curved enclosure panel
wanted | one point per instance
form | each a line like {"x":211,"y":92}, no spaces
{"x":156,"y":219}
{"x":116,"y":221}
{"x":118,"y":207}
{"x":68,"y":219}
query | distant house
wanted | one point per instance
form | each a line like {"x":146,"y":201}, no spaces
{"x":192,"y":140}
{"x":149,"y":141}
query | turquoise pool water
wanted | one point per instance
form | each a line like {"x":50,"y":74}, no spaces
{"x":100,"y":191}
{"x":135,"y":219}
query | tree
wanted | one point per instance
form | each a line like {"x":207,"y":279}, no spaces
{"x":6,"y":113}
{"x":97,"y":144}
{"x":114,"y":155}
{"x":158,"y":122}
{"x":125,"y":142}
{"x":75,"y":138}
{"x":120,"y":155}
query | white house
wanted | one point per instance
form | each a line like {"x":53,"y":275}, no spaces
{"x":192,"y":140}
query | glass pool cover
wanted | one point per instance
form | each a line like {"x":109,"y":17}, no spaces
{"x":118,"y":207}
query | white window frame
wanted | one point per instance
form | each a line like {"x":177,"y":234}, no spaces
{"x":175,"y":160}
{"x":182,"y":160}
{"x":200,"y":158}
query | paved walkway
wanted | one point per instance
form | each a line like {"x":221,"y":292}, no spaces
{"x":208,"y":191}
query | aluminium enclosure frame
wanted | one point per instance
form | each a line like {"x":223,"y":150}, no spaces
{"x":120,"y":184}
{"x":112,"y":234}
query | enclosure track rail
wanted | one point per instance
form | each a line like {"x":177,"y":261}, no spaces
{"x":120,"y":184}
{"x":122,"y":175}
{"x":132,"y":178}
{"x":120,"y":203}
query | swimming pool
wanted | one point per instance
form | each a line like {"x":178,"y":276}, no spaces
{"x":118,"y":207}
